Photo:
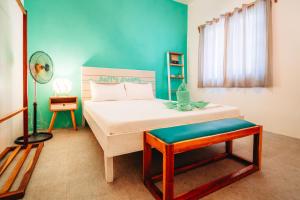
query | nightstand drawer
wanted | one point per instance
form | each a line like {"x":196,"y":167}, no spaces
{"x":63,"y":106}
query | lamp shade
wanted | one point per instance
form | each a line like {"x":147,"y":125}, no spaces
{"x":62,"y":86}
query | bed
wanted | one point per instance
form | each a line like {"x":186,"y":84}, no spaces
{"x":114,"y":122}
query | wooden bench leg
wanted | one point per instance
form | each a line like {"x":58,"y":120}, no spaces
{"x":168,"y":173}
{"x":229,"y":147}
{"x":257,"y":148}
{"x":147,"y":158}
{"x":169,"y":151}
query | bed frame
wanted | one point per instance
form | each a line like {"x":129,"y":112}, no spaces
{"x":112,"y":145}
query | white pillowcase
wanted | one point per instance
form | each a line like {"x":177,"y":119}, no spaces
{"x":139,"y":91}
{"x":107,"y":92}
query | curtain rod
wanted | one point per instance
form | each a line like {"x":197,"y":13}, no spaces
{"x":20,"y":4}
{"x":231,"y":13}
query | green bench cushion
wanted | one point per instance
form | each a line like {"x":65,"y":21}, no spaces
{"x":191,"y":131}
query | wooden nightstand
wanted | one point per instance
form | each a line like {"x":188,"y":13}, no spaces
{"x":63,"y":103}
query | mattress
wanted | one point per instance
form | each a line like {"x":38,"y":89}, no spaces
{"x":133,"y":116}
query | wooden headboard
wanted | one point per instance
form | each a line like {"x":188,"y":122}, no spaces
{"x":112,"y":75}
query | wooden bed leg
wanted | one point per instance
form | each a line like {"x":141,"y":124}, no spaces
{"x":83,"y":122}
{"x":109,"y":169}
{"x":168,"y":173}
{"x":229,"y":147}
{"x":257,"y":148}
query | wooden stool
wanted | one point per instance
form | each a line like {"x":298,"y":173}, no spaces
{"x":63,"y":103}
{"x":175,"y":140}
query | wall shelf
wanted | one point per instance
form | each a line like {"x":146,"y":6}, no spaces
{"x":175,"y":60}
{"x":176,"y":65}
{"x":172,"y":77}
{"x":176,"y":53}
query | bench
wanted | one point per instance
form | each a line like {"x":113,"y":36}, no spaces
{"x":179,"y":139}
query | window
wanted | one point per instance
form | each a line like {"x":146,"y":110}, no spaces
{"x":233,"y":50}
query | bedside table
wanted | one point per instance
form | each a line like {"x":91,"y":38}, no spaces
{"x":63,"y":103}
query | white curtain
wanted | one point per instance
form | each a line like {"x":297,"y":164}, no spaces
{"x":234,"y":50}
{"x":213,"y":48}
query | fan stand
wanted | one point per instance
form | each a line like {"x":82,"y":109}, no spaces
{"x":35,"y":137}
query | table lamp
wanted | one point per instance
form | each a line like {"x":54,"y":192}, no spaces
{"x":62,"y":86}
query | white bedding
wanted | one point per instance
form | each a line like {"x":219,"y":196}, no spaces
{"x":121,"y":117}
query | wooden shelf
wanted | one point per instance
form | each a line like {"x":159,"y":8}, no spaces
{"x":176,"y":53}
{"x":175,"y":59}
{"x":176,"y":77}
{"x":63,"y":103}
{"x":176,"y":65}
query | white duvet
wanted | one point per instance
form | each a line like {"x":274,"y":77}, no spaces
{"x":121,"y":117}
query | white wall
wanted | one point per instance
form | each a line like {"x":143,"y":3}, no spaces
{"x":11,"y":74}
{"x":277,"y":108}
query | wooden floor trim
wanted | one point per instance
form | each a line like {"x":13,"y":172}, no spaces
{"x":4,"y":153}
{"x":5,"y":194}
{"x":31,"y":167}
{"x":11,"y":179}
{"x":10,"y":158}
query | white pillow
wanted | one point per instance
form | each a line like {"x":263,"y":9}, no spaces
{"x":139,"y":91}
{"x":107,"y":92}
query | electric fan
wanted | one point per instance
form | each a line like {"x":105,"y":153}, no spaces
{"x":41,"y":70}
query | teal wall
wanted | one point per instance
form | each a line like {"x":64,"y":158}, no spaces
{"x":133,"y":34}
